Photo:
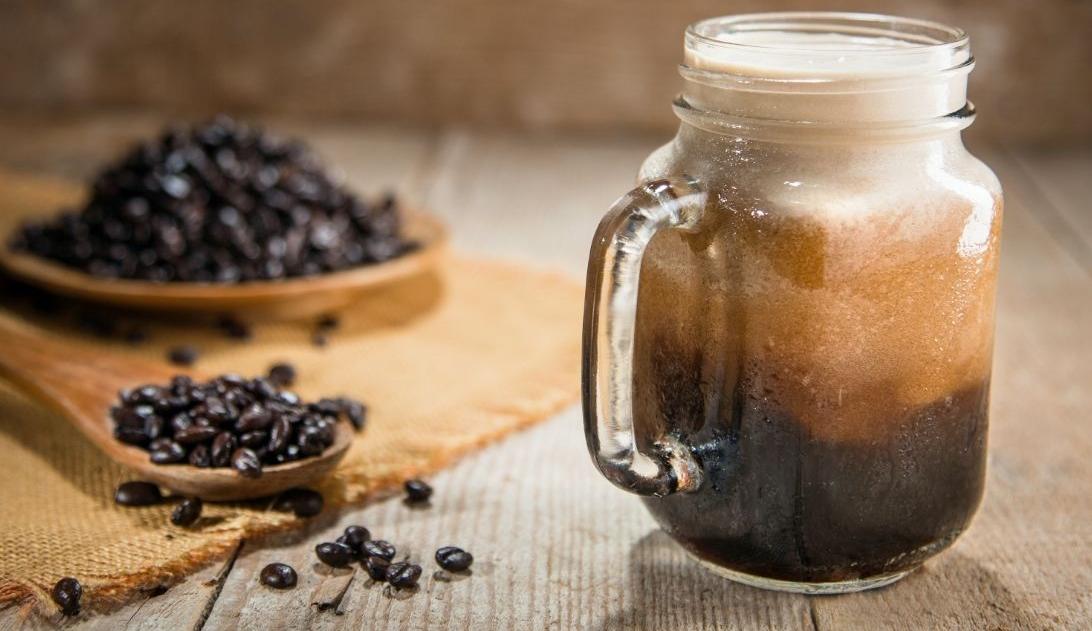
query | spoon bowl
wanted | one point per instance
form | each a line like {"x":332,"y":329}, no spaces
{"x":82,"y":384}
{"x":27,"y":197}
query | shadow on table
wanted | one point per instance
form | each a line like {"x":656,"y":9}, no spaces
{"x":668,"y":590}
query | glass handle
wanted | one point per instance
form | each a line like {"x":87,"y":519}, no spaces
{"x":610,"y":313}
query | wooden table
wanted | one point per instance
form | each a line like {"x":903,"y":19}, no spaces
{"x":557,"y":546}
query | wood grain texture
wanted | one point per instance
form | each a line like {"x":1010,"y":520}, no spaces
{"x":538,"y":64}
{"x":557,"y":547}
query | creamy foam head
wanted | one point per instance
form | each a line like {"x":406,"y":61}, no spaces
{"x":826,"y":67}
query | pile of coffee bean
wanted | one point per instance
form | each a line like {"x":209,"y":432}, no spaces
{"x":229,"y":421}
{"x":219,"y":202}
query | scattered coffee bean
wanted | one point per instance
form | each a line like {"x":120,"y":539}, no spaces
{"x":283,"y":375}
{"x":235,"y":329}
{"x":318,"y":339}
{"x":403,"y":575}
{"x":417,"y":491}
{"x":137,"y":494}
{"x":355,"y":411}
{"x":327,"y":322}
{"x":302,"y":502}
{"x":219,"y":202}
{"x":278,"y":576}
{"x":209,"y":424}
{"x":453,"y":559}
{"x":67,"y":593}
{"x":182,"y":355}
{"x":187,"y":512}
{"x":334,"y":554}
{"x":378,"y":548}
{"x":357,"y":536}
{"x":376,"y":567}
{"x":135,"y":336}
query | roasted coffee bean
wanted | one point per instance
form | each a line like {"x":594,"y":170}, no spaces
{"x":354,"y":411}
{"x":282,"y":374}
{"x":278,"y":576}
{"x":417,"y":491}
{"x":378,"y":548}
{"x":219,"y":202}
{"x":334,"y":554}
{"x":254,"y":440}
{"x":67,"y":593}
{"x":453,"y":559}
{"x":187,"y":512}
{"x":222,"y":447}
{"x":318,"y":339}
{"x":403,"y":575}
{"x":170,"y":453}
{"x":376,"y":567}
{"x":200,"y":456}
{"x":135,"y":336}
{"x":235,"y":329}
{"x":328,"y":322}
{"x":253,"y":418}
{"x":195,"y":434}
{"x":278,"y":435}
{"x":153,"y":427}
{"x":223,"y":415}
{"x":131,"y":435}
{"x":357,"y":536}
{"x":182,"y":355}
{"x":137,"y":494}
{"x":246,"y":462}
{"x":302,"y":502}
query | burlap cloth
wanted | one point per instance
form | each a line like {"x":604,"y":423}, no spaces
{"x":446,"y":363}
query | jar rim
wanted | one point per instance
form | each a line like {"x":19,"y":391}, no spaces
{"x":909,"y":44}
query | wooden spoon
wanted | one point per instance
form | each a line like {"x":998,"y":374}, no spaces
{"x":25,"y":197}
{"x":82,"y":384}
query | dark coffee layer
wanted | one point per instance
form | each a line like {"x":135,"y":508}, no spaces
{"x":780,"y":503}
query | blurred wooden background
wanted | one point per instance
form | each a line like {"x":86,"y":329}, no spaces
{"x":603,"y":66}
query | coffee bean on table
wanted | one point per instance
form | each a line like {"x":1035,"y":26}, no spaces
{"x":187,"y":512}
{"x":376,"y":567}
{"x":182,"y":355}
{"x":137,"y":494}
{"x":278,"y":576}
{"x":454,"y":559}
{"x":334,"y":554}
{"x":378,"y":548}
{"x":246,"y":462}
{"x":417,"y":491}
{"x":282,"y":374}
{"x":355,"y":411}
{"x":403,"y":575}
{"x":67,"y":593}
{"x":357,"y":536}
{"x":302,"y":502}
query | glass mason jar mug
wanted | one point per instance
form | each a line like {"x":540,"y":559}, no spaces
{"x":789,"y":324}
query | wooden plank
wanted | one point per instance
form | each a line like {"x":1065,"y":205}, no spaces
{"x":556,"y":547}
{"x":531,"y":198}
{"x":183,"y":606}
